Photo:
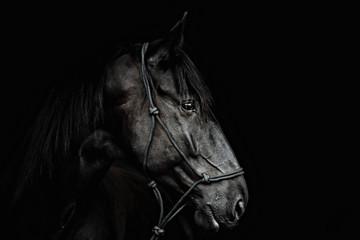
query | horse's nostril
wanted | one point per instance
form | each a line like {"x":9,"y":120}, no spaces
{"x":239,"y":208}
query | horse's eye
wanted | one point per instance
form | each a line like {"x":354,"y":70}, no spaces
{"x":188,"y":105}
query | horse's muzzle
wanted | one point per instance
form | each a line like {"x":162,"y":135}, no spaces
{"x":221,"y":204}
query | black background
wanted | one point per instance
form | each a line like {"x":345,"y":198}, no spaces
{"x":274,"y":73}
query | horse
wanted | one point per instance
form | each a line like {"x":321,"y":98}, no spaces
{"x":134,"y":152}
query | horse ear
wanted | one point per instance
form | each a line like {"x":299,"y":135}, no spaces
{"x":177,"y":32}
{"x":162,"y":49}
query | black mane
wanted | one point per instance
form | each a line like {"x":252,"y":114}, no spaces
{"x":190,"y":79}
{"x":72,"y":111}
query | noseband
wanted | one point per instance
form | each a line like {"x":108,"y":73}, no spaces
{"x":158,"y":230}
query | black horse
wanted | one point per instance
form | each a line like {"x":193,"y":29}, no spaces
{"x":103,"y":147}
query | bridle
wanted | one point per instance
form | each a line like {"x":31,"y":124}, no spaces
{"x":158,"y":230}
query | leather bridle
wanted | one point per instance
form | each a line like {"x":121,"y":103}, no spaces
{"x":158,"y":230}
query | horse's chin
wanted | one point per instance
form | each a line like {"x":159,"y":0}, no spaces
{"x":205,"y":219}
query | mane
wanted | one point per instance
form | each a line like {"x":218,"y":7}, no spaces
{"x":190,"y":79}
{"x":73,"y":110}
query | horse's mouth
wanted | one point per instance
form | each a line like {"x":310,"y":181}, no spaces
{"x":205,"y":218}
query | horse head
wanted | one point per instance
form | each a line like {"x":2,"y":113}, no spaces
{"x":178,"y":97}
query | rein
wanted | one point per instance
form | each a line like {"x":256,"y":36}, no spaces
{"x":158,"y":230}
